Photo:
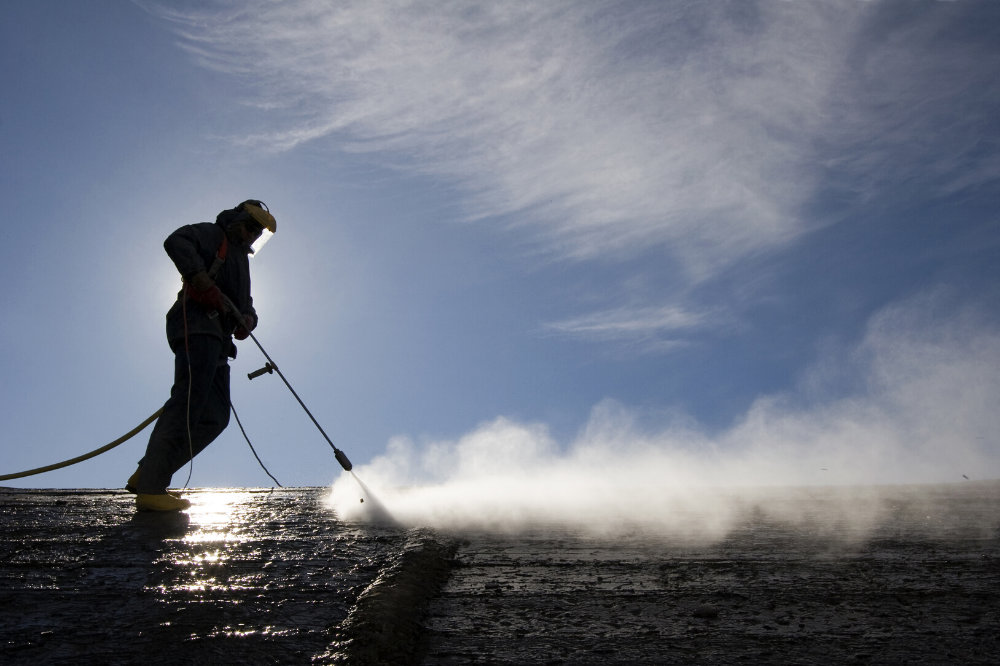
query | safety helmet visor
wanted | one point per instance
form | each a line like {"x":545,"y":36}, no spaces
{"x":255,"y":247}
{"x":260,"y":218}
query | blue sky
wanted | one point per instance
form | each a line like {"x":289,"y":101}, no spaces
{"x":760,"y":238}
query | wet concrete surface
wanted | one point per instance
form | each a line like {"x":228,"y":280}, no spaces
{"x":273,"y":577}
{"x":920,"y":583}
{"x":242,"y":577}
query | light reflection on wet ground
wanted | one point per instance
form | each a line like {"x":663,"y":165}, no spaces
{"x":244,"y":576}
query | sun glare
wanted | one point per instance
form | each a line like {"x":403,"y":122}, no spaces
{"x":212,"y":513}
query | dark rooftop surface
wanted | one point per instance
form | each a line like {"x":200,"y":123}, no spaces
{"x":257,"y":576}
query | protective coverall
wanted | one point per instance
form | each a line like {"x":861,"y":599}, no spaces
{"x":202,"y":340}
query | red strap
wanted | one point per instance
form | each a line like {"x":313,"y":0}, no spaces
{"x":223,"y":249}
{"x":220,"y":258}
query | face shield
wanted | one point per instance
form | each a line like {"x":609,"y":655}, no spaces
{"x":265,"y":235}
{"x":261,"y":219}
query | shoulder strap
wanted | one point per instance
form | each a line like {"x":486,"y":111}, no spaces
{"x":220,"y":257}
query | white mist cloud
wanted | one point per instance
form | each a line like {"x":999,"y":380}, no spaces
{"x":927,"y":414}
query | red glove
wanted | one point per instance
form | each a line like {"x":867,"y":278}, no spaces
{"x":211,"y":298}
{"x":243,"y":332}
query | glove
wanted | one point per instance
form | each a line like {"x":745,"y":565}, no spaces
{"x":211,"y":298}
{"x":243,"y":332}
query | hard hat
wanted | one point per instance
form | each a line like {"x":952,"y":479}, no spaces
{"x":259,"y":213}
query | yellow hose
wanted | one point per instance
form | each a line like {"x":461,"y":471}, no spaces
{"x":96,"y":452}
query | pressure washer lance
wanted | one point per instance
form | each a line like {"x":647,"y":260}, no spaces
{"x":272,"y":366}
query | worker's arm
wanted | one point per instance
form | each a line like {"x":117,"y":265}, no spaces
{"x":190,"y":247}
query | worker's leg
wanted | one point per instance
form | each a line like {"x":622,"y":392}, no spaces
{"x":214,"y":416}
{"x":169,"y":446}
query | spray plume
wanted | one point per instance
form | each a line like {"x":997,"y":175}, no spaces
{"x":926,"y":415}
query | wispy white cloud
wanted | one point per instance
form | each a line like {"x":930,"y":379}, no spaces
{"x":601,"y":129}
{"x":701,"y":130}
{"x":652,"y":328}
{"x":915,"y":104}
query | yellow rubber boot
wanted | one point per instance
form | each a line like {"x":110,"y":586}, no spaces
{"x":132,"y":485}
{"x":163,"y":502}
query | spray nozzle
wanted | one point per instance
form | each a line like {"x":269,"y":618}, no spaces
{"x":271,"y":367}
{"x":342,"y":459}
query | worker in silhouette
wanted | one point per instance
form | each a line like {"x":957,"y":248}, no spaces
{"x":213,"y":306}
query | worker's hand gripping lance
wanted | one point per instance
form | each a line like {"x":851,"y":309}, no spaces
{"x":270,"y":367}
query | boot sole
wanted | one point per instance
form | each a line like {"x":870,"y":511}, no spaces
{"x":153,"y":509}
